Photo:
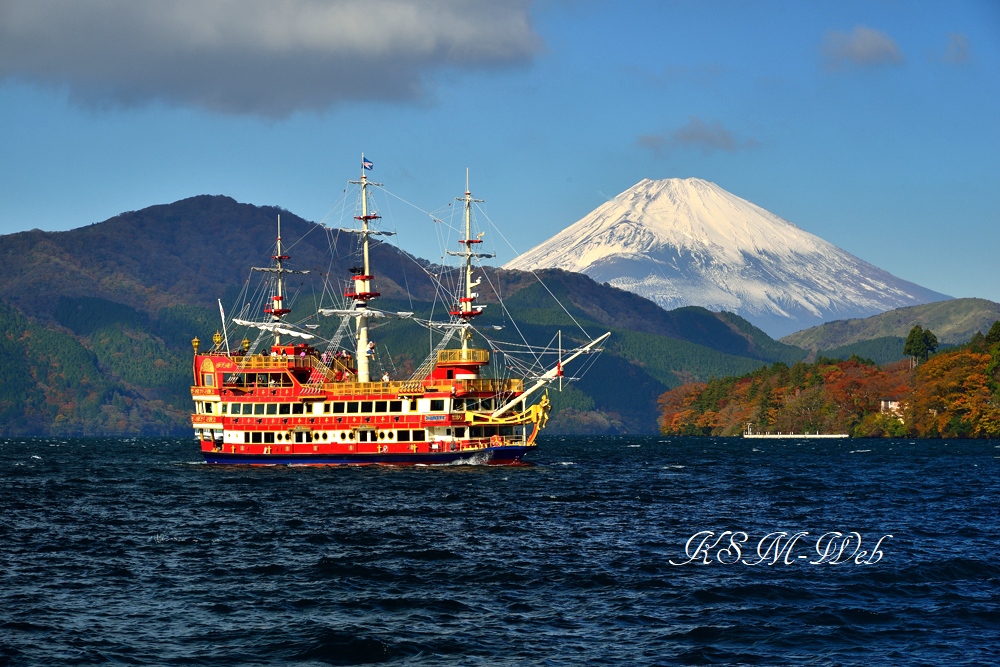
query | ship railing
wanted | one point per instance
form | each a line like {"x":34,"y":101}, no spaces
{"x":417,"y":387}
{"x":467,"y":355}
{"x":369,"y":388}
{"x":255,"y":362}
{"x":489,"y":385}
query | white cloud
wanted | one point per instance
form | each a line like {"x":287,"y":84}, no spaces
{"x":266,"y":57}
{"x":696,"y":134}
{"x":862,"y":47}
{"x":957,"y":52}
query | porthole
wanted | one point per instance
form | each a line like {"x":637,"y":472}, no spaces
{"x":381,"y":435}
{"x":389,"y":435}
{"x":343,"y":436}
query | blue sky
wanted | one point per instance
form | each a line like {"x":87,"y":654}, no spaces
{"x":871,"y":124}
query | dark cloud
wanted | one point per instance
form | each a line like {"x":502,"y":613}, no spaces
{"x":957,"y":51}
{"x":264,"y":57}
{"x":696,"y":134}
{"x":862,"y":47}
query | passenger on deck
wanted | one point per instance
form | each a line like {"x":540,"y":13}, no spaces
{"x":385,"y":376}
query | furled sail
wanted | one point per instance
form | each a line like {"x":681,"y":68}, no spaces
{"x":273,"y":328}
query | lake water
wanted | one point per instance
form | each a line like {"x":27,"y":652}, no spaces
{"x":132,"y":552}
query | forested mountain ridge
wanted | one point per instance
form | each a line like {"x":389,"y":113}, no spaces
{"x":953,"y":321}
{"x":116,"y":304}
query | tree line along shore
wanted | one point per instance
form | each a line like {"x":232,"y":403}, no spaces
{"x":954,"y":393}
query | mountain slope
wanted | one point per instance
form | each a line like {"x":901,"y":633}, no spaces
{"x":686,"y":242}
{"x":953,"y":321}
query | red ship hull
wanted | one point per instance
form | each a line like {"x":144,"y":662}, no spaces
{"x":507,"y":455}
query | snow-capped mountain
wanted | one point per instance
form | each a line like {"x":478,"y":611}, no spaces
{"x":682,"y":242}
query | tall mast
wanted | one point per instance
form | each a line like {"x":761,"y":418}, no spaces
{"x":466,"y":309}
{"x":362,"y":292}
{"x":278,"y":309}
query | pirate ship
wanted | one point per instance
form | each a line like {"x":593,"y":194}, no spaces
{"x":302,"y":400}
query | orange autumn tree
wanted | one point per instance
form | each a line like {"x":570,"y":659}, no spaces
{"x":956,"y":396}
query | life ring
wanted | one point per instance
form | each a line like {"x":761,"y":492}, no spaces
{"x":496,"y":441}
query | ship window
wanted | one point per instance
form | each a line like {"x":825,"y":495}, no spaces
{"x":486,"y":404}
{"x":366,"y":436}
{"x":326,"y":408}
{"x":447,"y":431}
{"x":418,"y":435}
{"x":381,"y":435}
{"x":343,"y":436}
{"x":389,"y":435}
{"x":284,"y":409}
{"x":413,"y":405}
{"x":246,"y":437}
{"x":460,"y":432}
{"x":208,"y":379}
{"x":366,"y":407}
{"x":269,"y":437}
{"x":297,"y":409}
{"x":258,"y":409}
{"x":234,"y":408}
{"x":437,"y":405}
{"x":475,"y":431}
{"x":395,"y":406}
{"x":458,"y":405}
{"x":450,"y":375}
{"x":223,"y":407}
{"x":338,"y":408}
{"x":402,"y":436}
{"x":272,"y":408}
{"x":506,"y":430}
{"x":208,"y":408}
{"x":489,"y":431}
{"x":255,"y":436}
{"x":381,"y":406}
{"x":352,"y":407}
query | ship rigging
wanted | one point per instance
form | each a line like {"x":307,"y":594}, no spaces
{"x":295,"y":403}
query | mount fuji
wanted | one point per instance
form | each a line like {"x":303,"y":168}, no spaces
{"x":688,"y":242}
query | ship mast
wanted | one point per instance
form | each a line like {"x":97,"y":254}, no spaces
{"x":466,"y":309}
{"x":362,"y":292}
{"x":278,"y":309}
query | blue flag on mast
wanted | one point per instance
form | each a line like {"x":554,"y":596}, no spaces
{"x":366,"y":163}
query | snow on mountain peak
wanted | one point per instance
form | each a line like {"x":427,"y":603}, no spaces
{"x":689,"y":242}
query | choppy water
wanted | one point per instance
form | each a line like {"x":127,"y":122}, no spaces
{"x":131,"y":552}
